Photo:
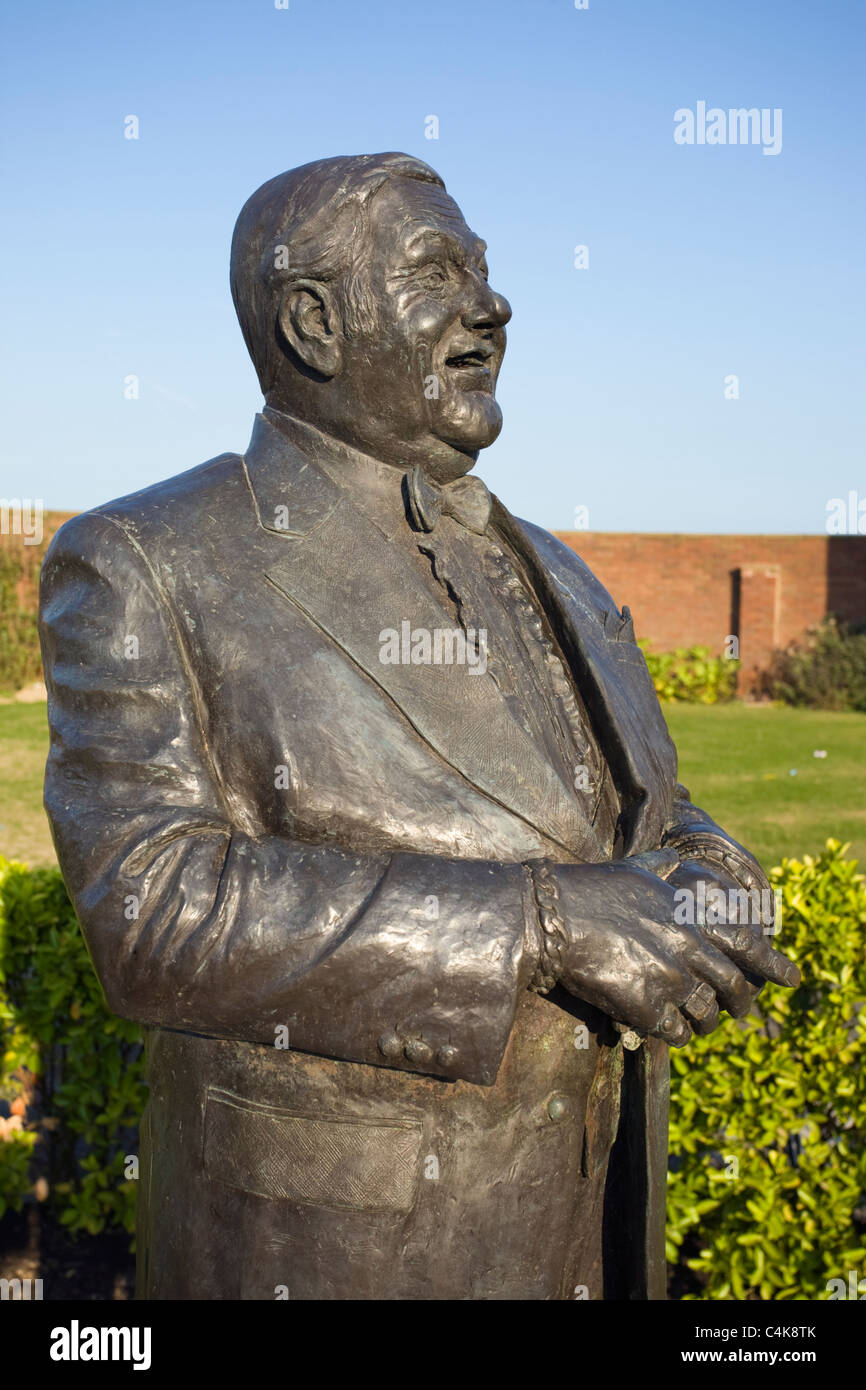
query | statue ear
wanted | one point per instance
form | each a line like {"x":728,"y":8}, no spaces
{"x":312,"y":326}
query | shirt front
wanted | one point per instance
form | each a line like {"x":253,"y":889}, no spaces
{"x":482,"y":584}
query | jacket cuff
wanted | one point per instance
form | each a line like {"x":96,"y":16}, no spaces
{"x":706,"y":844}
{"x":551,"y":935}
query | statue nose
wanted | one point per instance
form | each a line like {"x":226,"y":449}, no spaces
{"x":487,"y":310}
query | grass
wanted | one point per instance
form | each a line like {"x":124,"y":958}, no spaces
{"x":24,"y":832}
{"x":738,"y":760}
{"x":735,"y":759}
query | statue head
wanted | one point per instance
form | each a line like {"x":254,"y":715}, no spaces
{"x":363,"y":299}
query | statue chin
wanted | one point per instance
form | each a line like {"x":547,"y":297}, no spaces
{"x":471,"y":423}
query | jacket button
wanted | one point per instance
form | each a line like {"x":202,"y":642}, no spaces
{"x":447,"y":1055}
{"x":557,"y":1106}
{"x":417,"y":1051}
{"x":390,"y":1045}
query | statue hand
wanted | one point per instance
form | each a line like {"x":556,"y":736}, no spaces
{"x":625,"y":953}
{"x":736,"y":913}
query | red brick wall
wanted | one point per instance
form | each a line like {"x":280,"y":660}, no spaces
{"x":685,"y":590}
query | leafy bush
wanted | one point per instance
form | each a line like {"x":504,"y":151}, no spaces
{"x":72,"y":1067}
{"x":691,"y":674}
{"x":768,"y":1114}
{"x":825,"y":671}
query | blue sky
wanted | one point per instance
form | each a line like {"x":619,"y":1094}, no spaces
{"x":555,"y":129}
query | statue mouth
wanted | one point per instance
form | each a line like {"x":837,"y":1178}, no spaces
{"x":472,"y":368}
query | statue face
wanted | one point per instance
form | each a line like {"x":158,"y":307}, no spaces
{"x":424,"y":379}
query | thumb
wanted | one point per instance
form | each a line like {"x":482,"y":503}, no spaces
{"x":657,"y":861}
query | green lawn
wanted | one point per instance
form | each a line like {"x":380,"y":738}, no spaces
{"x":735,"y":759}
{"x":24,"y":832}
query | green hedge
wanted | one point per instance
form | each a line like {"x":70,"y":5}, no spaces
{"x":827,"y":670}
{"x":72,"y":1066}
{"x":691,"y":674}
{"x":768,"y":1114}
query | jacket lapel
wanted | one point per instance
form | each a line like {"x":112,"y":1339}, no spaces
{"x":612,"y":675}
{"x":337,"y":567}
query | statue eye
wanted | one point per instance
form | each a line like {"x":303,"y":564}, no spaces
{"x":433,"y":277}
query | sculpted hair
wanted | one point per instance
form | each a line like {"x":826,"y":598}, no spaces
{"x":308,"y":224}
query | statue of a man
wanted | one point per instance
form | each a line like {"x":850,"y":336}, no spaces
{"x":369,"y":813}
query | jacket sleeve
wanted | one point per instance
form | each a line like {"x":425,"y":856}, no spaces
{"x":193,"y":921}
{"x":701,"y":843}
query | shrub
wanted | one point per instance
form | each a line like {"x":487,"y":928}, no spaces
{"x":825,"y":671}
{"x":74,"y":1068}
{"x":691,"y":674}
{"x":768,"y":1114}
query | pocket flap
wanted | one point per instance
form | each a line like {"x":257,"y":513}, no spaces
{"x":346,"y":1164}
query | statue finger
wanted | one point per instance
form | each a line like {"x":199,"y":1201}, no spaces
{"x":661,"y":862}
{"x":671,"y":1027}
{"x":708,"y":963}
{"x":701,"y":1008}
{"x":750,"y":949}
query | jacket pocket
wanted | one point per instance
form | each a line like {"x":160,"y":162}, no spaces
{"x":343,"y":1164}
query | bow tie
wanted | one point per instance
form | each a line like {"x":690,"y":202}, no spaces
{"x":466,"y":500}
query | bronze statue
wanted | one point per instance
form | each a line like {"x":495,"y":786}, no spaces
{"x":370,"y":815}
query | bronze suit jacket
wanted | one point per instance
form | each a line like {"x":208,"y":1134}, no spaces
{"x":304,"y":873}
